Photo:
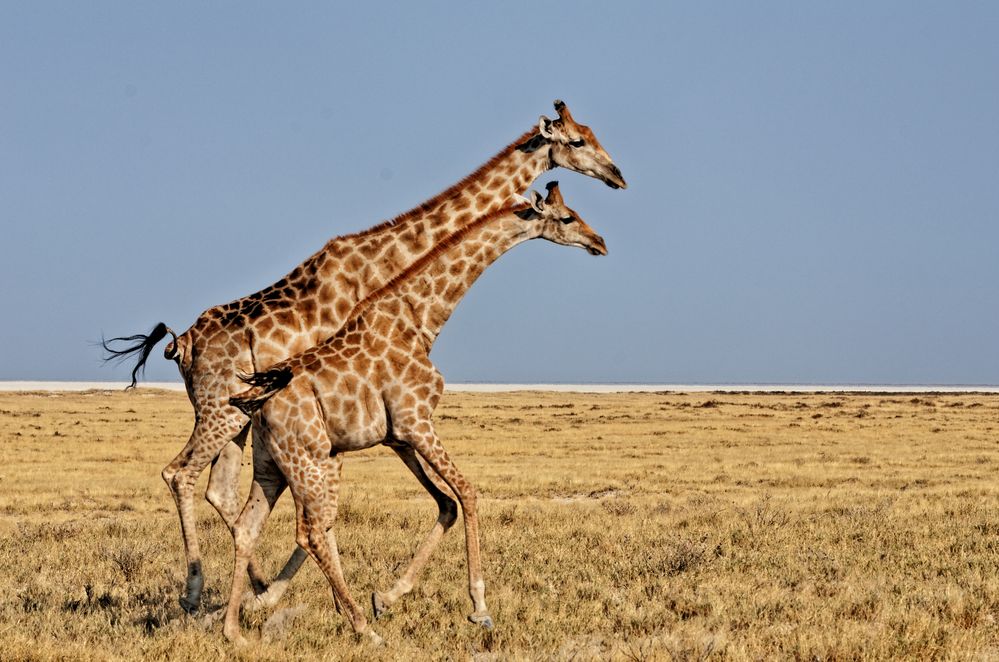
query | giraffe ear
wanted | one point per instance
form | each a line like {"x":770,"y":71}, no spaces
{"x":537,"y":202}
{"x":545,"y":128}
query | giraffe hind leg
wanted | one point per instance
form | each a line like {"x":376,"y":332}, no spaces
{"x":332,"y":468}
{"x":308,"y":487}
{"x":212,"y":431}
{"x":268,"y":484}
{"x":307,"y":479}
{"x":223,"y":495}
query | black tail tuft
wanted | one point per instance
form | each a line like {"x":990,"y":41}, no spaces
{"x":264,"y":385}
{"x":143,"y":346}
{"x":273,"y":379}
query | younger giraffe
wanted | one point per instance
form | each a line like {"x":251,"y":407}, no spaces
{"x":311,"y":303}
{"x":373,"y":383}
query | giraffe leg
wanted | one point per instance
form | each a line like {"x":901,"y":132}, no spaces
{"x":424,"y":441}
{"x":212,"y":431}
{"x":223,"y":494}
{"x":447,"y":515}
{"x":308,"y":485}
{"x":332,"y":468}
{"x":268,"y":484}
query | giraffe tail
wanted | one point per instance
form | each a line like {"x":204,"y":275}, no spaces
{"x":263,"y":386}
{"x":141,"y":345}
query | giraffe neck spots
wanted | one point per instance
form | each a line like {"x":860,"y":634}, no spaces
{"x":321,"y":294}
{"x":428,"y":293}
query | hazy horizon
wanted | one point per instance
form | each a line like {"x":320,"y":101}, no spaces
{"x":812,"y":188}
{"x":582,"y":387}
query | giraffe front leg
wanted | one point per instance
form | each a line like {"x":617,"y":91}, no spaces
{"x":447,"y":516}
{"x":332,"y":468}
{"x":425,"y":442}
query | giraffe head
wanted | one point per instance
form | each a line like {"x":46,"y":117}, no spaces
{"x":561,"y":225}
{"x":574,"y":146}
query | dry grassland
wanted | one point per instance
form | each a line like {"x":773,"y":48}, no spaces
{"x":620,"y":526}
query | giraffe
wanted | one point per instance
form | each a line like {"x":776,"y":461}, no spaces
{"x":373,"y":383}
{"x":311,"y":303}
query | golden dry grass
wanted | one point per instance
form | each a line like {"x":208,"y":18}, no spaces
{"x":621,"y":526}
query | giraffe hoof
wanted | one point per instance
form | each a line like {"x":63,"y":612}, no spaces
{"x":374,"y":638}
{"x":189,"y":606}
{"x":378,"y":605}
{"x":485,"y":620}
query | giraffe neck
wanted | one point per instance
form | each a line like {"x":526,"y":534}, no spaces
{"x":510,"y":173}
{"x":426,"y":294}
{"x":373,"y":257}
{"x":320,"y":294}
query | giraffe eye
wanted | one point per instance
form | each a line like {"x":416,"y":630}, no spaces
{"x":577,"y":143}
{"x":568,"y":219}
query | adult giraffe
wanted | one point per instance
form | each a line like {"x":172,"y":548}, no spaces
{"x":373,"y":383}
{"x":310,"y":303}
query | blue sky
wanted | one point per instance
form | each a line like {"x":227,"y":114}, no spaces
{"x":813,"y":187}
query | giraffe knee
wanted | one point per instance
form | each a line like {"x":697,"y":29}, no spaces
{"x":316,"y":537}
{"x":182,"y":482}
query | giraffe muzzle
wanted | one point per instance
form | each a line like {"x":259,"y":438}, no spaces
{"x":597,"y":246}
{"x":615,"y":180}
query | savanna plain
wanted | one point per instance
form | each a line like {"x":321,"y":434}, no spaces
{"x":614,"y":526}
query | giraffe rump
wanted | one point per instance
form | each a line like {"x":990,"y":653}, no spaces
{"x":264,"y":385}
{"x":143,"y":346}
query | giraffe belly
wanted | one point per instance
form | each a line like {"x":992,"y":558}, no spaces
{"x":356,"y":439}
{"x":357,"y":422}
